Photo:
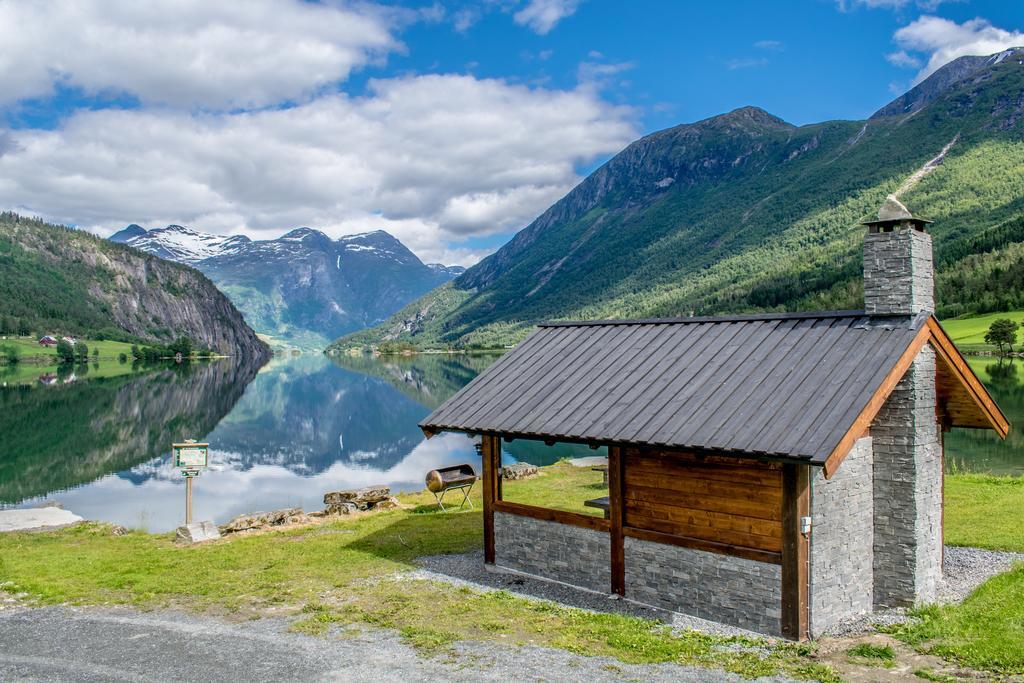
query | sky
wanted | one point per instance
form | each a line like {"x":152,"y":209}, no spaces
{"x":450,"y":124}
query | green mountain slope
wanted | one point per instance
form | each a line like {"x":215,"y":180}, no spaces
{"x":744,"y":212}
{"x":57,"y":280}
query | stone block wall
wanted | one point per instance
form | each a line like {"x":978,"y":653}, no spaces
{"x":570,"y":554}
{"x":842,"y":538}
{"x":729,"y":590}
{"x":898,"y":273}
{"x":908,"y":490}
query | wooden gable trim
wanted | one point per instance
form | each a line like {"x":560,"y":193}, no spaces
{"x":863,"y":421}
{"x":931,"y":332}
{"x":947,"y":350}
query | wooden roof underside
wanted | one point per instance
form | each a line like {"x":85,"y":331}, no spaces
{"x":962,"y":398}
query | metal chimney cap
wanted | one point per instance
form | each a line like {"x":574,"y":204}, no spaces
{"x":894,"y":211}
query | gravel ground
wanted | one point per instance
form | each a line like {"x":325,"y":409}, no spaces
{"x":964,"y":570}
{"x":91,"y":644}
{"x":469,"y":570}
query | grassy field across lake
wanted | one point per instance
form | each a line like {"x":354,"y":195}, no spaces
{"x":29,"y":349}
{"x":968,"y":332}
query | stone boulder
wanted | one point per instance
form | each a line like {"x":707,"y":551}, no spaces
{"x":197,"y":532}
{"x":519,"y":470}
{"x":366,"y":498}
{"x":263,"y":520}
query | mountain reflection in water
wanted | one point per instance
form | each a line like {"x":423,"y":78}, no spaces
{"x":280,"y":435}
{"x":284,"y":434}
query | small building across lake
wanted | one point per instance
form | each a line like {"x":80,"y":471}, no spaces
{"x":777,"y":472}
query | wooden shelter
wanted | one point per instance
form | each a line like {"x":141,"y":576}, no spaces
{"x":728,"y":496}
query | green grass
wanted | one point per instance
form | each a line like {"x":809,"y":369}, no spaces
{"x":560,"y":486}
{"x":985,"y":632}
{"x":349,"y":572}
{"x":985,"y":511}
{"x":30,"y":350}
{"x":873,"y":655}
{"x":968,"y":332}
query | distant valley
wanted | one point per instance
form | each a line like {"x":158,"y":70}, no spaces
{"x":302,"y":289}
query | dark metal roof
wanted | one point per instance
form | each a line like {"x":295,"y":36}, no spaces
{"x":786,"y":386}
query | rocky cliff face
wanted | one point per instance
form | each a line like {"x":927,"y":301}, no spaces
{"x":84,"y":283}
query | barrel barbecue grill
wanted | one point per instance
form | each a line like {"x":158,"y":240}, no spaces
{"x":445,"y":479}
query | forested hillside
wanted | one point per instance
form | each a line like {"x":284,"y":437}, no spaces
{"x":745,"y":212}
{"x":57,"y":280}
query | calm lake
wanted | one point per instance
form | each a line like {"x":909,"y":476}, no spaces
{"x":284,"y":434}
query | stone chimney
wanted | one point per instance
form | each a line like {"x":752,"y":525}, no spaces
{"x":899,"y":276}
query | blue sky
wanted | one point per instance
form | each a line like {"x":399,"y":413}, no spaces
{"x":450,"y":124}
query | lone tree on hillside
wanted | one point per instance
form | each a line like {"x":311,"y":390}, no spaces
{"x":1002,"y":332}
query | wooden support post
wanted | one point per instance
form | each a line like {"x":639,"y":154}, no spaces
{"x":796,"y":501}
{"x":491,"y":456}
{"x":616,"y":483}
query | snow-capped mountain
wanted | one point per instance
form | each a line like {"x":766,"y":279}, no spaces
{"x":179,"y":243}
{"x":302,"y":288}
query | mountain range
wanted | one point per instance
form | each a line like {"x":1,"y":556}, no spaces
{"x":745,"y":212}
{"x":303,"y":288}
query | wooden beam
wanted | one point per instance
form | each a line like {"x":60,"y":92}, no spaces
{"x":491,"y":457}
{"x":616,"y":513}
{"x":796,"y":502}
{"x":947,"y":351}
{"x":867,"y":414}
{"x":552,"y":515}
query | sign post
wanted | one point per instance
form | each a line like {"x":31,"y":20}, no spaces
{"x":191,"y":458}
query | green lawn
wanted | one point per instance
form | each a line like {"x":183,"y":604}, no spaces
{"x":985,"y":511}
{"x":968,"y":332}
{"x":349,"y":571}
{"x":560,"y":486}
{"x":30,"y":350}
{"x":985,"y":632}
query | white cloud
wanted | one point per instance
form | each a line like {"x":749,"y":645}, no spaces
{"x":930,"y":5}
{"x":433,"y":159}
{"x":188,"y":53}
{"x":599,"y":74}
{"x":944,"y":40}
{"x":542,"y":15}
{"x":465,"y":18}
{"x":904,"y":59}
{"x":770,"y":45}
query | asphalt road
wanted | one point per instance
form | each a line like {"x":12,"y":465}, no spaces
{"x":92,"y":644}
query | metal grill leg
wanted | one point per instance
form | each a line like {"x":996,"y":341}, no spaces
{"x":465,"y":497}
{"x":466,"y":490}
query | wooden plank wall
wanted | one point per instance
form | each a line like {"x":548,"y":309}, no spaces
{"x":713,"y":503}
